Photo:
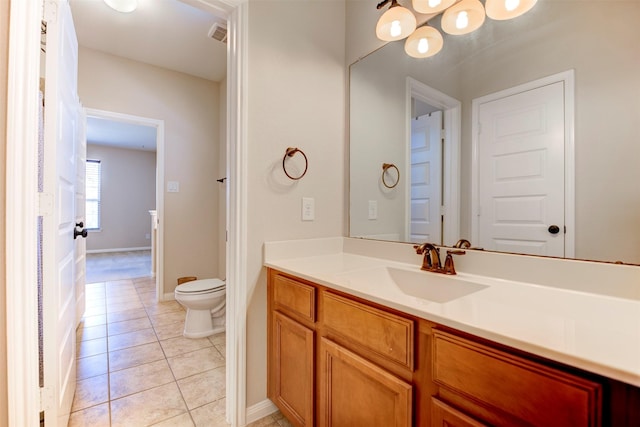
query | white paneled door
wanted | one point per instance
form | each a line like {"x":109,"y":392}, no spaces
{"x":521,"y":149}
{"x":58,"y":204}
{"x":80,"y":190}
{"x":426,"y":178}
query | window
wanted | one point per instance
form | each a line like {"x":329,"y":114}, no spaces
{"x":92,"y":211}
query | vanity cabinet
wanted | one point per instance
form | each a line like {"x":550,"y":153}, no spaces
{"x":338,"y":360}
{"x":291,"y":351}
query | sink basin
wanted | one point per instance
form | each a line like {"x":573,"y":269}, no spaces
{"x":425,"y":285}
{"x":432,"y":286}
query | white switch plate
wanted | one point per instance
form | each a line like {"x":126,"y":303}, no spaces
{"x":308,"y":209}
{"x":373,"y":209}
{"x":173,"y":187}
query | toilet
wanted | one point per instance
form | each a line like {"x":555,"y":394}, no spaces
{"x":205,"y":303}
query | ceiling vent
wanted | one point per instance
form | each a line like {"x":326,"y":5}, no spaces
{"x":218,"y":32}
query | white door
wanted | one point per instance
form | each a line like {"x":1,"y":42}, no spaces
{"x":426,"y":179}
{"x":521,"y":150}
{"x":80,"y":188}
{"x":60,"y":136}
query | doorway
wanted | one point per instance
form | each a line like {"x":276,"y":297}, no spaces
{"x":426,"y":174}
{"x":127,"y":131}
{"x":449,"y":207}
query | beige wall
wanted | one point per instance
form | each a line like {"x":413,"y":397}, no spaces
{"x":4,"y":48}
{"x":296,"y":98}
{"x":190,"y":108}
{"x":127,"y":194}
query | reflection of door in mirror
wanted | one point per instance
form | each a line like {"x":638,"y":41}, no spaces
{"x":521,"y":170}
{"x":426,"y":178}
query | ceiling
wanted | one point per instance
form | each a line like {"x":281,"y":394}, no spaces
{"x":171,"y":34}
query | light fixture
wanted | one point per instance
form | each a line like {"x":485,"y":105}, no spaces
{"x":507,"y":9}
{"x":396,"y":23}
{"x":431,"y":6}
{"x":424,"y":42}
{"x":124,"y":6}
{"x":463,"y":17}
{"x":459,"y":17}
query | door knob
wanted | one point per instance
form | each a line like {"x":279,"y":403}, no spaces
{"x":554,"y":229}
{"x":82,"y":232}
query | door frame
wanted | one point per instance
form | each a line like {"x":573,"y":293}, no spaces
{"x":159,"y":127}
{"x":22,"y":209}
{"x":21,"y":213}
{"x":452,"y":119}
{"x":568,"y":80}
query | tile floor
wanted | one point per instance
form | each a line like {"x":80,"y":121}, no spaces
{"x":103,"y":266}
{"x":136,"y":369}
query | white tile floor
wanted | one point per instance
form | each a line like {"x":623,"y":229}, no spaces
{"x":134,"y":367}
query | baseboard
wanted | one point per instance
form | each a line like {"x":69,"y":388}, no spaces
{"x":260,"y":410}
{"x":169,"y":296}
{"x":100,"y":251}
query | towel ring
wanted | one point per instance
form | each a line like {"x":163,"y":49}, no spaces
{"x":290,"y":153}
{"x":385,"y":167}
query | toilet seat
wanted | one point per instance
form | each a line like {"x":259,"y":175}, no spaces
{"x":198,"y":287}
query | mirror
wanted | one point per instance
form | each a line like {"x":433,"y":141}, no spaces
{"x":595,"y":39}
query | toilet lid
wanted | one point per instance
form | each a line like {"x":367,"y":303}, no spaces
{"x":200,"y":285}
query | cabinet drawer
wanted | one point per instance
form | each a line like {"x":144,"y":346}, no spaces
{"x":294,"y":297}
{"x":386,"y":334}
{"x":529,"y":391}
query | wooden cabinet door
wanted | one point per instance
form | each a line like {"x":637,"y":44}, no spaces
{"x":292,"y":369}
{"x":443,"y":415}
{"x":355,"y":392}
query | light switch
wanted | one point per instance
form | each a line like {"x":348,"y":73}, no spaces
{"x":373,"y":209}
{"x":308,"y":209}
{"x":173,"y":187}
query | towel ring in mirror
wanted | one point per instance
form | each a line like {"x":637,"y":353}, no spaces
{"x":290,"y":153}
{"x":385,"y":168}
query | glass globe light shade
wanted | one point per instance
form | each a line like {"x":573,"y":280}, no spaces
{"x":501,"y":10}
{"x":124,"y":6}
{"x":395,"y":24}
{"x":431,"y":6}
{"x":424,"y":42}
{"x":463,"y":17}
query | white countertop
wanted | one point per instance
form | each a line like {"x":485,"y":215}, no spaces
{"x":594,"y":332}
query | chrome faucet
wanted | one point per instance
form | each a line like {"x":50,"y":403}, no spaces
{"x":431,"y":259}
